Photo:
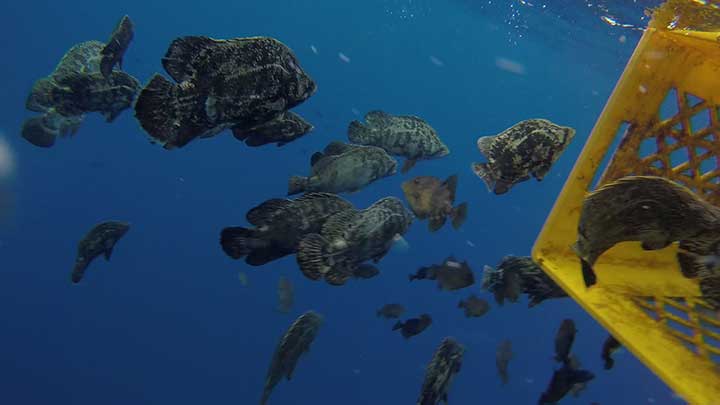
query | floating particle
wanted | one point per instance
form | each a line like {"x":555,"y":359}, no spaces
{"x":437,"y":62}
{"x":510,"y":66}
{"x":355,"y":111}
{"x":313,"y":49}
{"x":529,"y":380}
{"x":243,"y":278}
{"x":622,"y":39}
{"x":356,"y":371}
{"x":470,"y":243}
{"x":343,"y":57}
{"x":7,"y":159}
{"x":610,"y":20}
{"x":181,"y":179}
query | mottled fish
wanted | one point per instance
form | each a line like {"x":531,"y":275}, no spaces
{"x":239,"y":83}
{"x":502,"y":359}
{"x":564,"y":339}
{"x":439,"y":374}
{"x":654,"y":211}
{"x":528,"y":148}
{"x":294,"y":343}
{"x":281,"y":130}
{"x":610,"y":346}
{"x":474,"y":306}
{"x":286,"y":295}
{"x":391,"y":311}
{"x":515,"y":275}
{"x":113,"y":53}
{"x":100,"y":240}
{"x":413,"y":326}
{"x":280,"y":224}
{"x":402,"y":135}
{"x":343,"y":168}
{"x":351,"y":237}
{"x":433,"y":199}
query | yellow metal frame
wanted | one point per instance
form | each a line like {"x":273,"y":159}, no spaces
{"x":665,"y":61}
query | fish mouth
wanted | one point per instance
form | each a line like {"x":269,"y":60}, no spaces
{"x":443,"y":152}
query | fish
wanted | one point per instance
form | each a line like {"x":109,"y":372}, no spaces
{"x":517,"y":275}
{"x":279,"y":225}
{"x":450,"y":274}
{"x":351,"y":237}
{"x":218,"y":84}
{"x":440,"y":372}
{"x":528,"y":148}
{"x":365,"y":271}
{"x":610,"y":346}
{"x":710,"y":290}
{"x":79,"y":93}
{"x":44,"y":129}
{"x":343,"y":168}
{"x":283,"y":129}
{"x":401,"y":135}
{"x":578,"y":388}
{"x":503,"y":356}
{"x":391,"y":311}
{"x":654,"y":211}
{"x":114,"y":51}
{"x":564,"y":339}
{"x":286,"y":295}
{"x":433,"y":199}
{"x":413,"y":326}
{"x":563,"y":380}
{"x":100,"y":240}
{"x":425,"y":273}
{"x":294,"y":343}
{"x":474,"y":307}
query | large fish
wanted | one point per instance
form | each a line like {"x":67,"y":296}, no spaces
{"x":433,"y":199}
{"x":239,"y":83}
{"x":528,"y":148}
{"x":445,"y":364}
{"x":343,"y":168}
{"x":294,"y":343}
{"x":516,"y":275}
{"x":402,"y":135}
{"x":656,"y":212}
{"x":351,"y":237}
{"x":100,"y":240}
{"x":280,"y":224}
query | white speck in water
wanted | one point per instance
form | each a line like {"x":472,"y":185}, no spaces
{"x":355,"y":111}
{"x":622,"y":39}
{"x":7,"y":159}
{"x":595,"y":93}
{"x":529,"y":380}
{"x":510,"y":66}
{"x":437,"y":62}
{"x":313,"y":49}
{"x":356,"y":371}
{"x":470,"y":243}
{"x":651,"y":400}
{"x":343,"y":57}
{"x":181,"y":179}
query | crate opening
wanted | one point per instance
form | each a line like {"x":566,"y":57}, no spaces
{"x":619,"y":134}
{"x":669,"y":107}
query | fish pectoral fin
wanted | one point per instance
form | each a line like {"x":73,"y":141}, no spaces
{"x":407,"y":165}
{"x":435,"y":223}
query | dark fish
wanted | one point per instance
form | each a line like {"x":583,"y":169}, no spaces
{"x":391,"y":311}
{"x":515,"y":275}
{"x":502,"y":359}
{"x":564,"y":340}
{"x":286,"y":295}
{"x":577,"y":388}
{"x":474,"y":307}
{"x":454,"y":275}
{"x":280,"y":224}
{"x":79,"y":93}
{"x":294,"y":343}
{"x":344,"y":168}
{"x":610,"y":346}
{"x":413,"y":326}
{"x":425,"y":273}
{"x":240,"y":83}
{"x":114,"y":51}
{"x":563,"y":380}
{"x":527,"y":148}
{"x":281,"y":130}
{"x":99,"y":241}
{"x":433,"y":199}
{"x":351,"y":237}
{"x":654,"y":211}
{"x":445,"y":364}
{"x":403,"y":135}
{"x":366,"y":271}
{"x":42,"y":130}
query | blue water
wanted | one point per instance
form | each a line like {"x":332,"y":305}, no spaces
{"x":167,"y":321}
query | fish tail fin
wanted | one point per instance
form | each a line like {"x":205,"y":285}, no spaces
{"x":357,"y":133}
{"x":297,"y":184}
{"x":482,"y":170}
{"x":398,"y":325}
{"x":159,"y":111}
{"x":459,"y":215}
{"x":588,"y":274}
{"x":311,"y":256}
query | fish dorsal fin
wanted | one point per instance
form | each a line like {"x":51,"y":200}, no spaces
{"x":265,"y":212}
{"x":451,"y":184}
{"x":336,"y":226}
{"x":316,"y":157}
{"x":183,"y":54}
{"x":319,"y":195}
{"x":338,"y":148}
{"x":485,"y":144}
{"x":322,"y":163}
{"x":378,"y":118}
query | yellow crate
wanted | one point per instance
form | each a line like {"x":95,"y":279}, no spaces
{"x":664,"y":110}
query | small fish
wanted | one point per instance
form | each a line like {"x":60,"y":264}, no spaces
{"x":474,"y":307}
{"x":286,"y":295}
{"x":433,"y":199}
{"x":293,"y":344}
{"x":280,"y":130}
{"x":450,"y":275}
{"x":610,"y":346}
{"x":563,"y":380}
{"x":402,"y":135}
{"x":413,"y":326}
{"x":502,"y":359}
{"x":425,"y":273}
{"x":527,"y":148}
{"x":564,"y":340}
{"x":445,"y":364}
{"x":654,"y":211}
{"x":114,"y":51}
{"x":243,"y":278}
{"x":100,"y":240}
{"x":391,"y":311}
{"x":344,"y":168}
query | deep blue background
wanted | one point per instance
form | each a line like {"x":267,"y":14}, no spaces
{"x":167,"y":321}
